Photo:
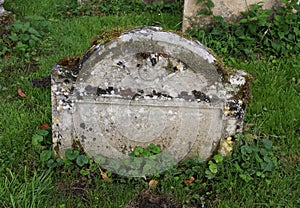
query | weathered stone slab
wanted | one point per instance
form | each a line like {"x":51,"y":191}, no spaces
{"x":146,"y":86}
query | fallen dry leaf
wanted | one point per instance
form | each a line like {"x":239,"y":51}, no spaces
{"x":104,"y":176}
{"x":21,"y":93}
{"x":188,"y":182}
{"x":44,"y":126}
{"x":153,"y":183}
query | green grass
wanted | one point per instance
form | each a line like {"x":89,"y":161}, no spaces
{"x":240,"y":181}
{"x":25,"y":190}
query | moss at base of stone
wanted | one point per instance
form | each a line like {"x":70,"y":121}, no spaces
{"x":76,"y":145}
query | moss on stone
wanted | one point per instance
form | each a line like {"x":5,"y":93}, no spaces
{"x":244,"y":92}
{"x":107,"y":35}
{"x":69,"y":62}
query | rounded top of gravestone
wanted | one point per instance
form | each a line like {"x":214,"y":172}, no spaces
{"x":151,"y":94}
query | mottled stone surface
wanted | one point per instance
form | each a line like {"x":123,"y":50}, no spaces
{"x":2,"y":10}
{"x":228,"y":9}
{"x":146,"y":86}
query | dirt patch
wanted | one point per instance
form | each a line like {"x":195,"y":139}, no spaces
{"x":42,"y":82}
{"x":151,"y":199}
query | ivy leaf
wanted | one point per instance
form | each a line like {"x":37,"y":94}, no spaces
{"x":218,"y":158}
{"x":34,"y":32}
{"x":45,"y":155}
{"x":51,"y":163}
{"x":213,"y":167}
{"x":14,"y":37}
{"x":72,"y":154}
{"x":246,"y":149}
{"x":42,"y":132}
{"x":267,"y":143}
{"x":209,"y":4}
{"x":36,"y":139}
{"x":100,"y":160}
{"x":82,"y":160}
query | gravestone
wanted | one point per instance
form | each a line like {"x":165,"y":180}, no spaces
{"x":228,"y":9}
{"x":146,"y":86}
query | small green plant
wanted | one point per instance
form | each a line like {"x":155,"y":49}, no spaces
{"x":42,"y":138}
{"x":42,"y":142}
{"x":22,"y":38}
{"x":79,"y":159}
{"x":213,"y":166}
{"x":149,"y":151}
{"x":257,"y":32}
{"x":255,"y":159}
{"x":207,"y":10}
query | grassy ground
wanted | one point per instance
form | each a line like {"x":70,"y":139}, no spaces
{"x":264,"y":170}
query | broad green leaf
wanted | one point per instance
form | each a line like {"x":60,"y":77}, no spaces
{"x":246,"y":149}
{"x":71,"y":154}
{"x":45,"y":155}
{"x":42,"y":132}
{"x":100,"y":160}
{"x":209,"y":174}
{"x":84,"y":172}
{"x":257,"y":158}
{"x":13,"y":37}
{"x":34,"y":32}
{"x":59,"y":161}
{"x":51,"y":163}
{"x":213,"y":167}
{"x":82,"y":160}
{"x":209,"y":4}
{"x":36,"y":139}
{"x":24,"y":37}
{"x":246,"y":177}
{"x":17,"y":26}
{"x":218,"y":158}
{"x":267,"y":143}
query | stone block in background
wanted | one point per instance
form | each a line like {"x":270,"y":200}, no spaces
{"x":228,"y":9}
